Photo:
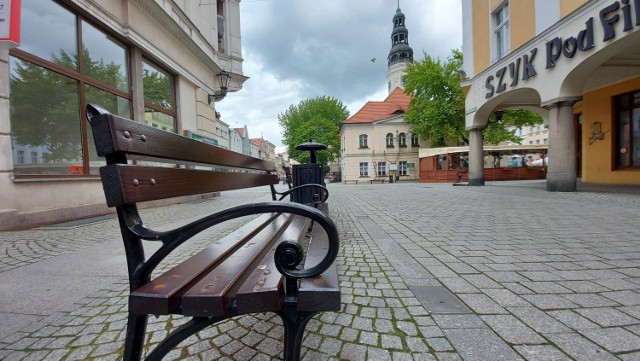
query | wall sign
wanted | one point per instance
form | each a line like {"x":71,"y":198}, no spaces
{"x":9,"y":23}
{"x":618,"y":11}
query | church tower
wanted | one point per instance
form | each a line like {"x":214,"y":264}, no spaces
{"x":400,"y":52}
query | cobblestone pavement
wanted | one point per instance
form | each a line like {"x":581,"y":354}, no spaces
{"x":428,"y":272}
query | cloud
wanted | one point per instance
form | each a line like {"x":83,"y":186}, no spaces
{"x":300,"y":49}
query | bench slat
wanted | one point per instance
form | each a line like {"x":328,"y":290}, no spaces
{"x":140,"y":183}
{"x":323,"y":292}
{"x":161,"y":295}
{"x":110,"y":137}
{"x":262,"y":290}
{"x":213,"y":294}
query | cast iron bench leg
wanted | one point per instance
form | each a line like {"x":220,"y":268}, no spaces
{"x":294,"y":324}
{"x":136,"y":326}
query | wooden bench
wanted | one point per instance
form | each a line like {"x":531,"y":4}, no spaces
{"x":257,"y":268}
{"x":378,"y":179}
{"x":350,"y":180}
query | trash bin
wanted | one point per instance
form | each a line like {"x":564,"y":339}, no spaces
{"x":308,"y":174}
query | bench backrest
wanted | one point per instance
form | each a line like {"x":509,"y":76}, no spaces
{"x":189,"y":167}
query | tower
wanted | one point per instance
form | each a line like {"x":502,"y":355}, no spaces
{"x":400,"y":52}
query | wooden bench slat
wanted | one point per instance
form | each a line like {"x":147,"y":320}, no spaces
{"x":110,"y":137}
{"x":262,"y":290}
{"x":162,"y":294}
{"x":323,"y":292}
{"x":141,"y":183}
{"x":212,"y":295}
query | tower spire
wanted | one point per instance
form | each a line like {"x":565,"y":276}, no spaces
{"x":400,"y":52}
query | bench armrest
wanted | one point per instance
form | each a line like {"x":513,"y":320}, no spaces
{"x":288,"y":254}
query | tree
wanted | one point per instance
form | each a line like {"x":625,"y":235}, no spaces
{"x":436,"y":110}
{"x":318,"y":119}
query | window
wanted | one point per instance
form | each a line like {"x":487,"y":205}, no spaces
{"x":363,"y":141}
{"x":415,"y":140}
{"x":537,"y":141}
{"x":402,"y":167}
{"x":501,"y":30}
{"x":53,"y":75}
{"x":382,"y":168}
{"x":159,"y":104}
{"x":364,"y":169}
{"x":389,"y":140}
{"x":627,"y":126}
{"x":34,"y":157}
{"x":402,"y":140}
{"x":20,"y":157}
{"x":545,"y":140}
{"x":222,"y":43}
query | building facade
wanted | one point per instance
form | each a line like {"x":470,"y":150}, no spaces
{"x":573,"y":62}
{"x":376,"y":142}
{"x":152,"y":61}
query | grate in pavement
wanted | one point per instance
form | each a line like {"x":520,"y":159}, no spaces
{"x":438,"y":299}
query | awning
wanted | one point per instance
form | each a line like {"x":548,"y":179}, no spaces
{"x":531,"y":148}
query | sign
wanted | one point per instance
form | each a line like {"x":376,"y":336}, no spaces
{"x":9,"y":24}
{"x":610,"y":19}
{"x":411,"y":165}
{"x":472,"y":110}
{"x":201,"y":138}
{"x":393,"y":166}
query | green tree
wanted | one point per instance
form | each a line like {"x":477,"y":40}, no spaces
{"x":436,"y":110}
{"x":318,"y":119}
{"x":502,"y":125}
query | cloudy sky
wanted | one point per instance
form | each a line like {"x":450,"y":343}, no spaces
{"x":300,"y":49}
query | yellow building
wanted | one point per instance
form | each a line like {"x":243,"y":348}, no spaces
{"x":577,"y":64}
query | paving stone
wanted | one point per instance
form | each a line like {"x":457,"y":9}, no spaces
{"x":607,"y":317}
{"x":538,"y":320}
{"x":482,"y":304}
{"x":512,"y":330}
{"x":615,"y":339}
{"x":541,"y":352}
{"x":458,"y":321}
{"x":580,"y":348}
{"x":549,"y":302}
{"x":480,"y":344}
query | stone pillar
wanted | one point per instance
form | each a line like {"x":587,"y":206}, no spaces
{"x":561,"y":171}
{"x":476,"y":157}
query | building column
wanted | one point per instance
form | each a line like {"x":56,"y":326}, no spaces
{"x":561,"y":170}
{"x":476,"y":157}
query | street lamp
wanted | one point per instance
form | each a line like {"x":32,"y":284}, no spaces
{"x":223,"y":80}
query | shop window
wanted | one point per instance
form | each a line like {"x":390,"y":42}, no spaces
{"x":53,"y":75}
{"x":389,"y":140}
{"x":382,"y":168}
{"x":364,"y":169}
{"x":159,"y":104}
{"x":402,"y":167}
{"x":627,"y":126}
{"x":363,"y":141}
{"x":501,"y":30}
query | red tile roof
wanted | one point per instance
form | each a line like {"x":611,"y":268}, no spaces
{"x":240,"y":131}
{"x":396,"y":102}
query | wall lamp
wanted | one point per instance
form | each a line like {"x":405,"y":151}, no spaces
{"x":223,"y":80}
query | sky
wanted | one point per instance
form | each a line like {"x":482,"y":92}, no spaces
{"x":300,"y":49}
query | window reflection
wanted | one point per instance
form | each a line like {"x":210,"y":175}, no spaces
{"x":157,"y":85}
{"x":49,"y":31}
{"x":159,"y":120}
{"x":45,"y":120}
{"x":115,"y":105}
{"x":103,"y":58}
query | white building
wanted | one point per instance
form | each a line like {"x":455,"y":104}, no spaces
{"x":152,"y":61}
